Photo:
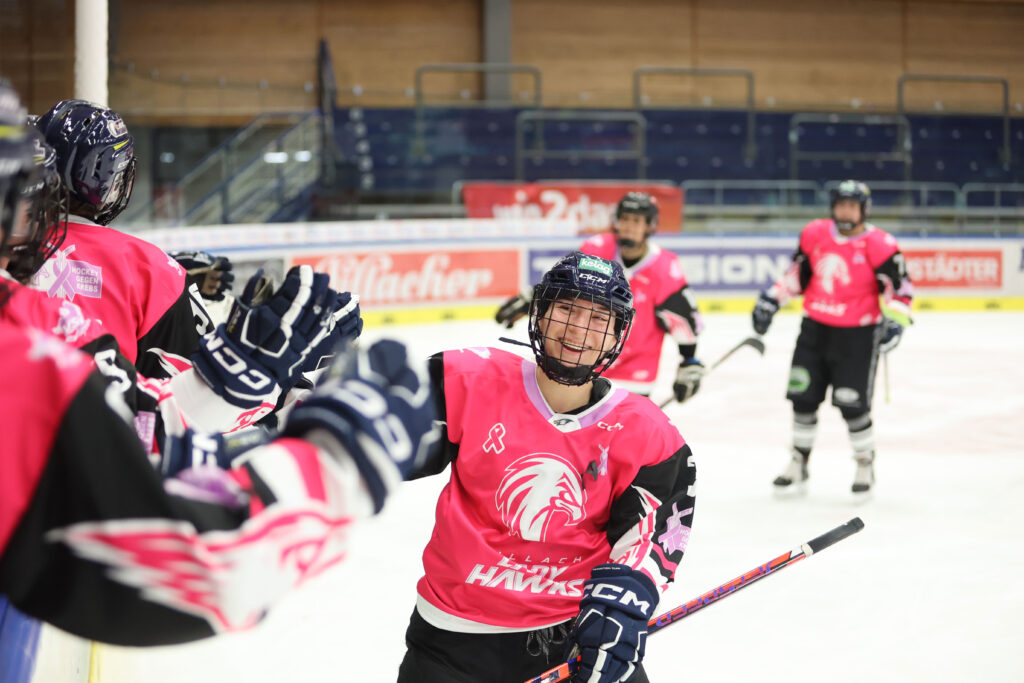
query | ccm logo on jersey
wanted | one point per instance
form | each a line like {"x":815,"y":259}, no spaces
{"x":613,"y":593}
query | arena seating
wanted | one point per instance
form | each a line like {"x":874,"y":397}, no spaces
{"x":401,"y":152}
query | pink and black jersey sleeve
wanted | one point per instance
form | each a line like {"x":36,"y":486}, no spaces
{"x":650,"y":521}
{"x":94,"y":541}
{"x":676,"y":308}
{"x":894,"y":282}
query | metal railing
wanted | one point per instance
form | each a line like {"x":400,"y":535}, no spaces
{"x":901,"y":150}
{"x":282,"y":169}
{"x":773,"y":193}
{"x":1004,"y":153}
{"x":215,"y":169}
{"x":537,"y":119}
{"x":419,"y":125}
{"x":639,"y":99}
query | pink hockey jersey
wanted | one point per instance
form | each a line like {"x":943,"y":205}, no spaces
{"x":126,"y":283}
{"x":28,"y":308}
{"x":536,"y":499}
{"x":846,"y":276}
{"x":655,"y":278}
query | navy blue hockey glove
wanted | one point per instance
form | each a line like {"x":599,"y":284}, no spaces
{"x":267,"y":338}
{"x":764,"y":310}
{"x":610,"y":633}
{"x":688,"y":376}
{"x":211,"y":274}
{"x":346,"y":324}
{"x":193,"y":449}
{"x":889,"y":335}
{"x":377,"y":408}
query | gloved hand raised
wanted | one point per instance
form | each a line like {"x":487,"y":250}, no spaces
{"x":211,"y":274}
{"x":375,"y":407}
{"x":346,"y":325}
{"x":267,"y":338}
{"x":513,"y":309}
{"x":764,"y":310}
{"x":610,"y":633}
{"x":688,"y":376}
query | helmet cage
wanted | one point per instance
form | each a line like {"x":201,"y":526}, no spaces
{"x":571,"y":281}
{"x":48,"y":213}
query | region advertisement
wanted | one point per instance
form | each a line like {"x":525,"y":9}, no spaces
{"x":706,"y":268}
{"x":591,"y":206}
{"x":755,"y":267}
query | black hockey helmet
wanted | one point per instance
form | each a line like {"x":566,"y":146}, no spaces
{"x":95,"y":156}
{"x":641,"y":204}
{"x":578,"y":276}
{"x":25,"y":225}
{"x":855,"y":190}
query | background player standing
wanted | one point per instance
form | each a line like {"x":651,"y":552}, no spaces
{"x":663,"y":300}
{"x":841,"y":266}
{"x":565,"y":494}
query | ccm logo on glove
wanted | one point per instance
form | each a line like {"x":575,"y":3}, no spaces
{"x":613,"y":593}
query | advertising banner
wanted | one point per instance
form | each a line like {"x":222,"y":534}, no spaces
{"x":955,"y":268}
{"x":592,"y":206}
{"x":705,"y":267}
{"x":384,"y":278}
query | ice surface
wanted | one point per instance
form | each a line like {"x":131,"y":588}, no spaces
{"x":931,"y":590}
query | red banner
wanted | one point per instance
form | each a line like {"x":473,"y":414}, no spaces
{"x":415,"y":277}
{"x":959,"y":268}
{"x":592,"y":206}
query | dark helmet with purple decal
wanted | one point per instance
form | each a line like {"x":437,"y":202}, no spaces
{"x":95,"y":157}
{"x":579,"y":277}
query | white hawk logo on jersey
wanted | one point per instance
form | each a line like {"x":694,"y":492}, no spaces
{"x":830,"y":268}
{"x":535,"y":489}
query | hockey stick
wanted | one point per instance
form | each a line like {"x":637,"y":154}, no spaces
{"x":564,"y":671}
{"x":885,"y":374}
{"x":755,"y":342}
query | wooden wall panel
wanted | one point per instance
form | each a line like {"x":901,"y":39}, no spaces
{"x":206,"y":58}
{"x":806,"y":54}
{"x":588,"y":49}
{"x":37,"y":50}
{"x":379,"y":45}
{"x":977,"y":38}
{"x":375,"y":45}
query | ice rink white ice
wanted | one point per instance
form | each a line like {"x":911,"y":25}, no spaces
{"x":931,"y":590}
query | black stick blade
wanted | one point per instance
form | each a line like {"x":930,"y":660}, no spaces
{"x":839,"y":533}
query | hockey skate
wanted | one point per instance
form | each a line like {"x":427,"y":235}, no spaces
{"x":793,"y":479}
{"x":864,"y":477}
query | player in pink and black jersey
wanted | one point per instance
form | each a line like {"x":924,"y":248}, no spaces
{"x":841,"y":266}
{"x":662,"y":298}
{"x":570,"y":501}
